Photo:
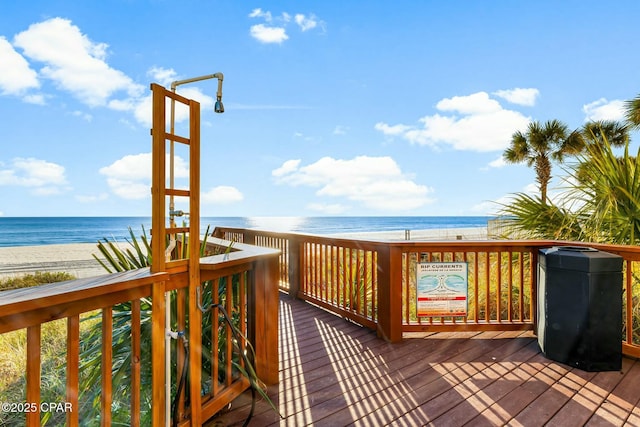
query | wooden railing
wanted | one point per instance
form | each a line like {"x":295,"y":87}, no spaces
{"x":374,"y":282}
{"x":243,"y":281}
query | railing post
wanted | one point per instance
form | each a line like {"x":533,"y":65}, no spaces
{"x":263,"y":321}
{"x":390,"y":293}
{"x":295,"y":270}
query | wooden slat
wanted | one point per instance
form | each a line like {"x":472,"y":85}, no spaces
{"x":106,"y":395}
{"x":33,"y":374}
{"x":177,"y":192}
{"x":177,"y":138}
{"x":73,"y":368}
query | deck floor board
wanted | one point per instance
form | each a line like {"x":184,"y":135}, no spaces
{"x":336,"y":373}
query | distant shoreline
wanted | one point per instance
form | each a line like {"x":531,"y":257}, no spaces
{"x":77,"y":258}
{"x":33,"y":231}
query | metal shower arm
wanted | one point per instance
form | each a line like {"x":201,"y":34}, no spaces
{"x":218,"y":76}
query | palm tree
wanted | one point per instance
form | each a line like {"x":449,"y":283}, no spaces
{"x":614,"y":132}
{"x":540,"y":145}
{"x":597,"y":135}
{"x":632,"y":111}
{"x":609,"y":197}
{"x":603,"y":205}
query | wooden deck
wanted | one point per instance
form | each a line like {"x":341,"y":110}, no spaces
{"x":336,"y":373}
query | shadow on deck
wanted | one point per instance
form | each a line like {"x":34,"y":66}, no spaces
{"x":336,"y":373}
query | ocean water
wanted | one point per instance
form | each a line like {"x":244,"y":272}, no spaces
{"x":32,"y":231}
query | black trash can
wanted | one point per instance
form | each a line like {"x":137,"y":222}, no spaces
{"x":580,"y":307}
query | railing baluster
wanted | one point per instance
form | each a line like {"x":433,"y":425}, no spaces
{"x":33,"y":374}
{"x":499,"y":287}
{"x":106,"y":365}
{"x":487,"y":284}
{"x":629,"y":301}
{"x":521,"y":301}
{"x":366,"y":283}
{"x":510,"y":282}
{"x":136,"y":345}
{"x":73,"y":368}
{"x":229,"y":343}
{"x":215,"y":326}
{"x":242,"y":300}
{"x":181,"y":322}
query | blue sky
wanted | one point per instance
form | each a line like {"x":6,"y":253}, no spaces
{"x":332,"y":108}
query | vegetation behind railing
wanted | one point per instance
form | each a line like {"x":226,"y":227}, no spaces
{"x":374,"y":282}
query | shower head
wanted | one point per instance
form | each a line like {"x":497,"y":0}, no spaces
{"x":218,"y":107}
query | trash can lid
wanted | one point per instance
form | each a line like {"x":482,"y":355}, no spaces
{"x":580,"y":258}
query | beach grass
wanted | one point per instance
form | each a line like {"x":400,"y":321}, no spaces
{"x":35,"y":279}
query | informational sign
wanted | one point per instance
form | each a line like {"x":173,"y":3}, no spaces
{"x":441,"y":289}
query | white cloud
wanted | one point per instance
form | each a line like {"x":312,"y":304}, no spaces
{"x":286,"y":168}
{"x":604,"y":110}
{"x":391,"y":130}
{"x":258,"y":13}
{"x":73,"y":62}
{"x":41,"y":176}
{"x":163,"y":76}
{"x":274,"y":29}
{"x":265,"y":34}
{"x":16,"y":76}
{"x":481,"y":124}
{"x":520,"y":96}
{"x":222,"y":195}
{"x":37,"y":99}
{"x":130,"y":176}
{"x":476,"y":103}
{"x":306,"y":23}
{"x":498,"y":163}
{"x":375,"y":182}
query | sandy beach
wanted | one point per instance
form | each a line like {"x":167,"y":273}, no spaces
{"x":73,"y":258}
{"x":77,"y":258}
